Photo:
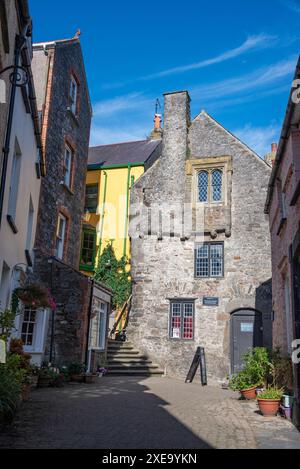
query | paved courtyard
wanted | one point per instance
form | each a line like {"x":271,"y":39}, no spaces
{"x":150,"y":413}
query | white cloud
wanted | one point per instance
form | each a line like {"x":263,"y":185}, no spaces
{"x":118,"y":104}
{"x":260,"y":78}
{"x":293,"y":5}
{"x":258,"y":139}
{"x":252,"y":43}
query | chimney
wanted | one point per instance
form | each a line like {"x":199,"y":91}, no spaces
{"x":157,"y":132}
{"x":270,"y":157}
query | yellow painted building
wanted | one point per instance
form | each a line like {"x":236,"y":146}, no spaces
{"x":112,"y":170}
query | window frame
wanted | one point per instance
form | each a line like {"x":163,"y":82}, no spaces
{"x":26,"y":334}
{"x":60,"y":217}
{"x":73,"y":102}
{"x":84,"y":266}
{"x":89,"y":209}
{"x":209,"y":244}
{"x":210,"y":191}
{"x":68,"y":170}
{"x":182,"y":303}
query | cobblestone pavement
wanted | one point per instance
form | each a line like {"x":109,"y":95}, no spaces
{"x":150,"y":413}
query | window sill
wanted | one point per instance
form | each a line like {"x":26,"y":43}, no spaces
{"x":181,"y":340}
{"x":12,"y":224}
{"x":296,"y":195}
{"x":281,"y":225}
{"x":86,"y":268}
{"x":68,"y":189}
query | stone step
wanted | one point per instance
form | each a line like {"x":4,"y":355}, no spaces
{"x":131,"y":372}
{"x":120,"y":347}
{"x":128,"y":353}
{"x":129,"y":360}
{"x":140,"y":367}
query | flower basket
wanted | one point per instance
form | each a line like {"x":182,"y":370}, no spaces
{"x":35,"y":297}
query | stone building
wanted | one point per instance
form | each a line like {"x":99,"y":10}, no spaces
{"x":283,"y":207}
{"x":61,"y":335}
{"x":21,"y":162}
{"x":201,"y":264}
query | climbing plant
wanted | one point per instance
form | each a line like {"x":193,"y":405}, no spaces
{"x":114,"y":274}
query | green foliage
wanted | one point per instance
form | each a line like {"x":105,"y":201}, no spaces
{"x":76,"y":368}
{"x":11,"y":381}
{"x":7,"y":322}
{"x":283,"y":376}
{"x":256,"y":371}
{"x":114,"y":275}
{"x":271,"y":393}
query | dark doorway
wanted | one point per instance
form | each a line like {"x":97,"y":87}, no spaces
{"x":246,"y":333}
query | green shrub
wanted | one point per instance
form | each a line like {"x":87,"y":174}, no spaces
{"x":11,"y":381}
{"x":256,"y":371}
{"x":271,"y":393}
{"x":241,"y":381}
{"x":76,"y":368}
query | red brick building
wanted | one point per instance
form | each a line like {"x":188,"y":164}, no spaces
{"x":283,"y":207}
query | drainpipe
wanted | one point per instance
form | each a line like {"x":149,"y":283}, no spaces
{"x":87,"y":352}
{"x":103,"y":212}
{"x":20,"y":43}
{"x":127,"y":210}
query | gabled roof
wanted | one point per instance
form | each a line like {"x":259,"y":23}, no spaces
{"x":122,"y":154}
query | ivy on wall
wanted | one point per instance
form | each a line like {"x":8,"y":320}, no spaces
{"x":113,"y":273}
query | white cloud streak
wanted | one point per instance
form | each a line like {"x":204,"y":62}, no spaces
{"x":252,"y":43}
{"x":293,"y":5}
{"x":258,"y":139}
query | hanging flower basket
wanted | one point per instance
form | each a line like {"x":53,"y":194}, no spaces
{"x":35,"y":296}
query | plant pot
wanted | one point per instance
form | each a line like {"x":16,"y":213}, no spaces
{"x":25,"y":392}
{"x":287,"y":401}
{"x":43,"y":382}
{"x":269,"y":407}
{"x":90,"y":379}
{"x":249,"y":394}
{"x":77,"y":378}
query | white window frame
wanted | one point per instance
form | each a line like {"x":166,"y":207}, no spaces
{"x":68,"y":163}
{"x":73,"y":94}
{"x":60,"y":236}
{"x":40,"y":330}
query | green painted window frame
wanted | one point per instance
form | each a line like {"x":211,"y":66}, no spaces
{"x":83,"y":266}
{"x":94,"y":208}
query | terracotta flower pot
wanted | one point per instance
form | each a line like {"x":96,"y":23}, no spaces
{"x":269,"y":407}
{"x":90,"y":379}
{"x":77,"y":378}
{"x":249,"y":393}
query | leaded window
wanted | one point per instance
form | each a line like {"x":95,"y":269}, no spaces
{"x":217,"y":179}
{"x":203,"y":186}
{"x":210,"y":186}
{"x":209,"y":260}
{"x":182,"y":320}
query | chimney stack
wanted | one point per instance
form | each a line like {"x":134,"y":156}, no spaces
{"x":157,"y":132}
{"x":274,"y":147}
{"x":270,"y":157}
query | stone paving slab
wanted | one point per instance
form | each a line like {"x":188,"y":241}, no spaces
{"x":147,"y":413}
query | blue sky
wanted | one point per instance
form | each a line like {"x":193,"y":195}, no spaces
{"x":236,"y":58}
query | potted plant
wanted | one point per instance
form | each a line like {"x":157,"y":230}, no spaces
{"x":35,"y":296}
{"x":76,"y":372}
{"x":269,"y":401}
{"x":244,"y":383}
{"x":47,"y":376}
{"x":102,"y":372}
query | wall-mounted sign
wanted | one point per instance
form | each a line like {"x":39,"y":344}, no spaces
{"x":207,"y":301}
{"x":2,"y":352}
{"x":247,"y":327}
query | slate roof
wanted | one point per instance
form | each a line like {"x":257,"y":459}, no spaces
{"x":123,"y":153}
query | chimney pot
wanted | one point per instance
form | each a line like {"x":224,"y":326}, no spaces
{"x":274,"y":147}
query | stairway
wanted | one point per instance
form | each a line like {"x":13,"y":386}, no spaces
{"x":125,"y":360}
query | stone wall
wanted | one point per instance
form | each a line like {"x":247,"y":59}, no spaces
{"x":163,"y":265}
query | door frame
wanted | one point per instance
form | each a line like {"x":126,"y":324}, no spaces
{"x":231,"y":348}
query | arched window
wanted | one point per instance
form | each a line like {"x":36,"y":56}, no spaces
{"x":203,"y":186}
{"x":217,"y":180}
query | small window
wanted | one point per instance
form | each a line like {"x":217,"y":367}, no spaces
{"x":60,"y":236}
{"x":91,"y":198}
{"x":210,"y":186}
{"x":73,"y":95}
{"x":68,"y":162}
{"x":182,"y":320}
{"x":28,"y":327}
{"x":203,"y":186}
{"x":88,"y":250}
{"x":209,"y":260}
{"x":217,"y":179}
